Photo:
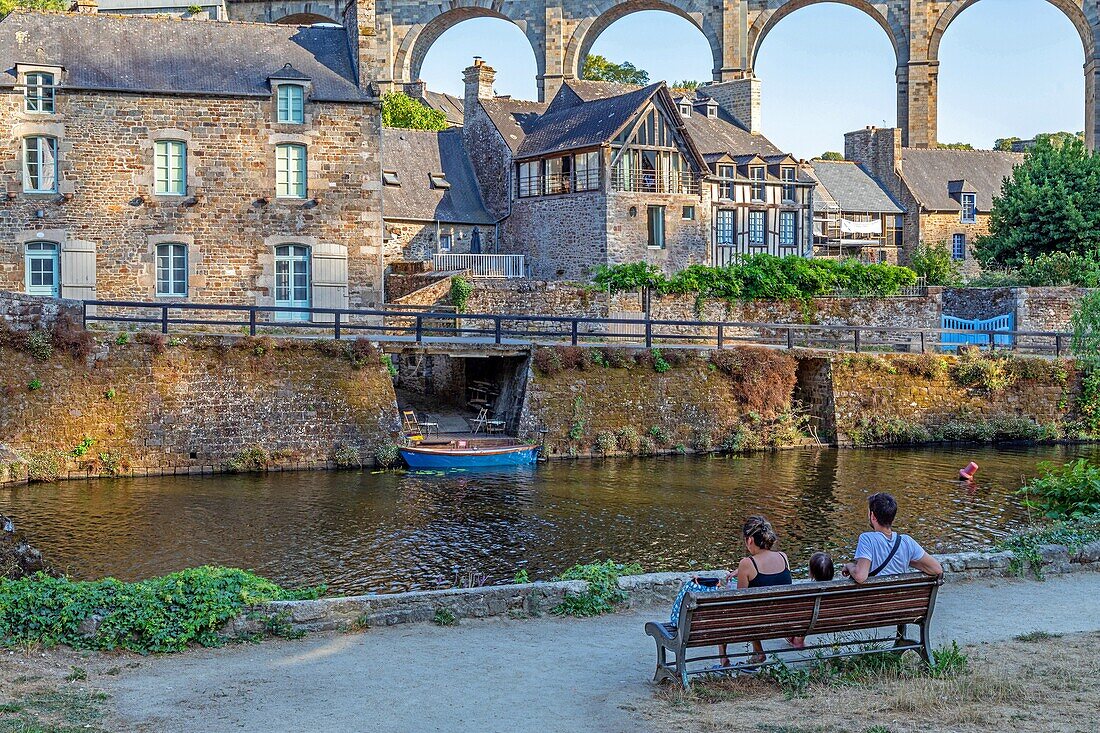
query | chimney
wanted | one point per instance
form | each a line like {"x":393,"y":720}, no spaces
{"x":877,"y":148}
{"x":84,"y":6}
{"x":740,"y":98}
{"x":361,"y":26}
{"x":479,"y":85}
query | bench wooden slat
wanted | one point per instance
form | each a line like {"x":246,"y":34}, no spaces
{"x":760,"y":614}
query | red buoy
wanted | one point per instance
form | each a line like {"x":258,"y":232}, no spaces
{"x":968,"y":473}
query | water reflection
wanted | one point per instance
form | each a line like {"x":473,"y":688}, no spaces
{"x":361,"y":531}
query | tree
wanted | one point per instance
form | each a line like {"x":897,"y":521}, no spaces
{"x":598,"y":68}
{"x":936,"y":264}
{"x":1006,"y":143}
{"x":6,"y":6}
{"x":686,"y":87}
{"x":401,"y":110}
{"x":830,"y":155}
{"x":954,"y":146}
{"x":1056,"y":138}
{"x":1048,"y":204}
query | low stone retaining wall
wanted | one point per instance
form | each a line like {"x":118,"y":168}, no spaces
{"x":536,"y":599}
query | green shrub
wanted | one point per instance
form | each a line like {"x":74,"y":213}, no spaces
{"x":112,"y":463}
{"x":606,"y":441}
{"x":984,"y":372}
{"x":888,"y":431}
{"x":659,"y":435}
{"x":936,"y":264}
{"x":659,"y":364}
{"x":628,"y":439}
{"x":461,"y":290}
{"x":345,"y":456}
{"x":45,"y":467}
{"x":928,"y":366}
{"x":165,"y":614}
{"x":34,"y":385}
{"x":81,"y":449}
{"x":39,"y":345}
{"x":253,"y":459}
{"x":387,"y":361}
{"x":742,"y":440}
{"x":387,"y":455}
{"x":603,"y":592}
{"x":1025,"y":545}
{"x":1070,"y":491}
{"x":444,"y":617}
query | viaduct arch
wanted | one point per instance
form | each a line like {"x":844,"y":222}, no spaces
{"x":562,"y":32}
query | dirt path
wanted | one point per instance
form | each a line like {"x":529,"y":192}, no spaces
{"x":526,"y":676}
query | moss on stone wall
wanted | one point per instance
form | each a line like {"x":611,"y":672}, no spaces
{"x":612,"y":400}
{"x":202,"y":404}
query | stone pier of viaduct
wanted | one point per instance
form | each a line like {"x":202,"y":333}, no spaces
{"x":562,"y":32}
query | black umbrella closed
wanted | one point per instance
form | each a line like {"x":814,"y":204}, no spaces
{"x":475,"y":242}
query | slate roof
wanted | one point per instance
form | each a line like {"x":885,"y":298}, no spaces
{"x":161,"y":54}
{"x":513,"y":118}
{"x":850,"y":188}
{"x":928,"y":173}
{"x":724,"y":135}
{"x":416,"y":155}
{"x":589,"y":123}
{"x":453,"y":108}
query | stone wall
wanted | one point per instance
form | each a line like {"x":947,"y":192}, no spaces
{"x":150,"y":406}
{"x":563,"y":237}
{"x":938,"y":228}
{"x":899,"y":398}
{"x":416,"y":240}
{"x":22,"y":312}
{"x":230,"y":220}
{"x":687,"y":241}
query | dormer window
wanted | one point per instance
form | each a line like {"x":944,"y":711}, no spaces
{"x":40,"y":92}
{"x":787,"y":175}
{"x":969,"y":208}
{"x":439,"y":180}
{"x":290,"y":104}
{"x":685,"y":110}
{"x":756,"y":173}
{"x":391,"y":178}
{"x":712,"y":110}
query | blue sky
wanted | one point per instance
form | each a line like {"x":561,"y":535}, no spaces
{"x":1007,"y":67}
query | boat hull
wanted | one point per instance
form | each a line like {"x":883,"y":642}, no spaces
{"x":463,"y":458}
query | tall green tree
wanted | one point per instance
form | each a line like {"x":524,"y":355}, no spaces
{"x":598,"y":68}
{"x":831,"y":155}
{"x":401,"y":110}
{"x":6,"y":6}
{"x":1049,"y":204}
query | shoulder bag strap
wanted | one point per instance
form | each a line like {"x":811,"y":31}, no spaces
{"x":893,"y":551}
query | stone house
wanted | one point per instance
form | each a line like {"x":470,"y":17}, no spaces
{"x":153,"y":158}
{"x":607,"y":174}
{"x":854,"y":215}
{"x":947,"y":194}
{"x":431,"y":203}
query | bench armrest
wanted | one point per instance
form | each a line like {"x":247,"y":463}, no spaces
{"x":660,"y":632}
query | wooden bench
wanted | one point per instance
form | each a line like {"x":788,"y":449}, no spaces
{"x":804,"y":609}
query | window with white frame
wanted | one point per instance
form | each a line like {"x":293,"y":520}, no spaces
{"x":758,"y":228}
{"x":756,"y":174}
{"x":39,"y":94}
{"x":170,"y":168}
{"x":290,"y":171}
{"x":446,"y":241}
{"x":586,"y":171}
{"x":788,"y":175}
{"x":726,"y":186}
{"x":958,"y":247}
{"x":688,"y":214}
{"x":969,"y":208}
{"x":788,"y":228}
{"x":290,"y":104}
{"x":725,"y":228}
{"x":172,"y":270}
{"x":42,"y":268}
{"x":39,"y":164}
{"x":656,"y":223}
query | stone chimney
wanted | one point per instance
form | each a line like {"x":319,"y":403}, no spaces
{"x":739,"y":98}
{"x":360,"y":23}
{"x":877,"y":148}
{"x":479,"y":85}
{"x":84,"y":6}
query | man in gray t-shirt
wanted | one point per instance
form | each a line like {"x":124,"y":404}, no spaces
{"x":885,"y":552}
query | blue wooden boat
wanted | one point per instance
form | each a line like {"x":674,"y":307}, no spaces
{"x":469,"y":454}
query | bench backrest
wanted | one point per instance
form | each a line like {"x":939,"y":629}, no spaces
{"x":753,"y":614}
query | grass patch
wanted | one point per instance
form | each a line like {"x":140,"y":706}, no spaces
{"x":1037,"y":636}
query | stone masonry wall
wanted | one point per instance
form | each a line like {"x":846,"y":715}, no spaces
{"x":106,"y":143}
{"x":193,"y":406}
{"x":563,"y":237}
{"x":413,"y":240}
{"x":938,"y":229}
{"x":22,"y":312}
{"x":889,"y":393}
{"x":687,"y":241}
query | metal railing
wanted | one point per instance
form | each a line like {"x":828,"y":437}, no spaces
{"x":498,"y":266}
{"x":650,"y":182}
{"x":417,"y":326}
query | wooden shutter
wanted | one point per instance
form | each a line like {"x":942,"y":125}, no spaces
{"x":330,"y":279}
{"x":78,"y":270}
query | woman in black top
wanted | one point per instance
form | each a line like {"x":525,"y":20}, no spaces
{"x":762,"y":567}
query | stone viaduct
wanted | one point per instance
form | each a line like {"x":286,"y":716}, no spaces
{"x":562,"y":32}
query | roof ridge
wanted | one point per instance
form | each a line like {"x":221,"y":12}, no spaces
{"x":154,"y":17}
